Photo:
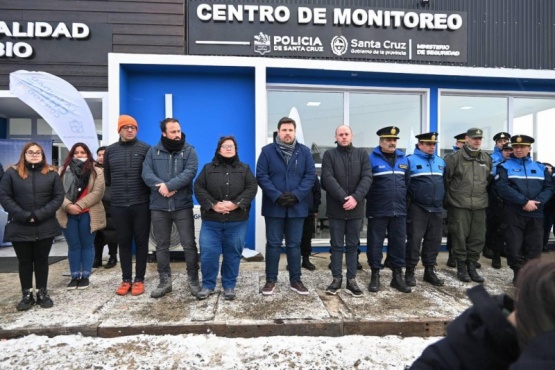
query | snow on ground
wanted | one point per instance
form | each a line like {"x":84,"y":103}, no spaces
{"x":192,"y":351}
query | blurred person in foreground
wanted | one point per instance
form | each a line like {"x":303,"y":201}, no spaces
{"x":225,"y":189}
{"x":31,"y":191}
{"x":497,"y":333}
{"x":82,"y":212}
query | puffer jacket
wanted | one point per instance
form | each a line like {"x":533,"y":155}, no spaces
{"x":345,"y":172}
{"x":276,"y":176}
{"x":92,"y":201}
{"x":218,"y":181}
{"x":41,"y":194}
{"x":466,"y":179}
{"x":123,"y":165}
{"x":426,"y":187}
{"x":521,"y":179}
{"x":177,"y":170}
{"x":387,"y":196}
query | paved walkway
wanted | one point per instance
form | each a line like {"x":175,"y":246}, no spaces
{"x":98,"y":311}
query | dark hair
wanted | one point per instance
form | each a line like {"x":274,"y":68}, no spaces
{"x":20,"y":165}
{"x":89,"y":163}
{"x":101,"y":149}
{"x":165,"y":122}
{"x":224,"y":139}
{"x":287,"y":120}
{"x":535,"y":300}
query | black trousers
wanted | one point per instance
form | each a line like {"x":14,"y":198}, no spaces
{"x":99,"y":244}
{"x":524,"y":238}
{"x":306,"y":240}
{"x":495,"y":233}
{"x":33,"y":257}
{"x":132,"y":224}
{"x":424,"y":229}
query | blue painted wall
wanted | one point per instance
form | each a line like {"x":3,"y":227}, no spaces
{"x":209,"y":103}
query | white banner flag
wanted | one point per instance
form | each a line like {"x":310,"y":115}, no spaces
{"x":59,"y":103}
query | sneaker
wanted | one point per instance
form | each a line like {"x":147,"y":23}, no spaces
{"x":83,"y":283}
{"x":43,"y":299}
{"x":229,"y":294}
{"x":111,"y":262}
{"x":269,"y":288}
{"x":138,"y":288}
{"x":124,"y":288}
{"x":194,"y":286}
{"x":73,"y":284}
{"x":353,"y":289}
{"x":27,"y":301}
{"x":298,"y":287}
{"x":334,"y":287}
{"x":204,"y":293}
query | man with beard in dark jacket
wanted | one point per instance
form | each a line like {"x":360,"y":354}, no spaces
{"x":123,"y":165}
{"x":169,"y":169}
{"x":346,"y":177}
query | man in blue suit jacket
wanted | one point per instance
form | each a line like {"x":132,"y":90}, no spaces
{"x":285,"y":173}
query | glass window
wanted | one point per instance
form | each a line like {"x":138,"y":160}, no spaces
{"x":21,"y":126}
{"x":535,"y":117}
{"x":43,"y":128}
{"x":459,"y":113}
{"x":368,"y":112}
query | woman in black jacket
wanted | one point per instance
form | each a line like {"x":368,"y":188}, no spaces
{"x":224,"y":189}
{"x":31,"y":192}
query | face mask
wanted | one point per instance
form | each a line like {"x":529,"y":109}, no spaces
{"x":82,"y":159}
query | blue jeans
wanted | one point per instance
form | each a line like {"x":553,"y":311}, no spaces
{"x":80,"y":244}
{"x":344,"y":233}
{"x":276,"y":228}
{"x":226,"y":238}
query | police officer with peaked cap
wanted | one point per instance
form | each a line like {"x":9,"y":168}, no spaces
{"x":525,"y":186}
{"x":425,"y":209}
{"x":386,"y":208}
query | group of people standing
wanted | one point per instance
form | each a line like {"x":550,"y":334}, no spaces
{"x":134,"y":186}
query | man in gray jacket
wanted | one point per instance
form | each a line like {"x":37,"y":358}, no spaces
{"x":467,"y":173}
{"x":168,"y":170}
{"x":346,"y":177}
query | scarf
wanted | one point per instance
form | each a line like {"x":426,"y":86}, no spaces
{"x":286,"y":149}
{"x":173,"y":146}
{"x":225,"y":160}
{"x":75,"y":182}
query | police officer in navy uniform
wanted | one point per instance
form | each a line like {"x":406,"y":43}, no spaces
{"x":386,"y":209}
{"x":525,"y":187}
{"x":425,"y":209}
{"x":459,"y":143}
{"x":494,"y":212}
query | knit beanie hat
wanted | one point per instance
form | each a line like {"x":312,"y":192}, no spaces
{"x":125,"y":120}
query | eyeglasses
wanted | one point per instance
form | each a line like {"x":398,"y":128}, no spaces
{"x":34,"y":154}
{"x":130,"y":127}
{"x":228,"y":146}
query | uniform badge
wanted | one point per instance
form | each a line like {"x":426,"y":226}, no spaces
{"x":403,"y":166}
{"x":519,"y":139}
{"x":393,"y":131}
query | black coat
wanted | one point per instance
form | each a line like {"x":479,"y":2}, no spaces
{"x":108,"y":234}
{"x":123,"y":166}
{"x":538,"y":355}
{"x":480,"y":338}
{"x":38,"y":196}
{"x":218,"y":181}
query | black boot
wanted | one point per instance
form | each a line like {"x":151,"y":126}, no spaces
{"x":374,"y":281}
{"x":97,"y":262}
{"x":111,"y":262}
{"x":496,"y":260}
{"x":515,"y":274}
{"x":307,"y":264}
{"x":431,"y":277}
{"x":398,"y":282}
{"x":27,"y":301}
{"x":410,"y":280}
{"x":43,"y":299}
{"x":462,"y":272}
{"x":451,"y":260}
{"x":487,"y":253}
{"x":474,"y":276}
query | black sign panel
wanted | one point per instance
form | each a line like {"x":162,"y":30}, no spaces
{"x":286,"y":30}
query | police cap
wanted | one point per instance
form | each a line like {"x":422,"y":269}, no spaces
{"x":460,"y":137}
{"x":429,"y":137}
{"x":474,"y":133}
{"x":389,"y":132}
{"x":522,"y":140}
{"x":502,"y":135}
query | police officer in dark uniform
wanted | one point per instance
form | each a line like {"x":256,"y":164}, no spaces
{"x":386,"y":209}
{"x":425,"y":209}
{"x":459,"y":143}
{"x":525,"y":187}
{"x":494,"y":212}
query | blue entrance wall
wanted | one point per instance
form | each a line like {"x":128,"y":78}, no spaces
{"x":208,"y":102}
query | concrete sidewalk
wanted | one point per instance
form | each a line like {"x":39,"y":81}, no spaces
{"x":98,"y":311}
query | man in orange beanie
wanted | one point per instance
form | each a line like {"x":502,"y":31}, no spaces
{"x":123,"y":165}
